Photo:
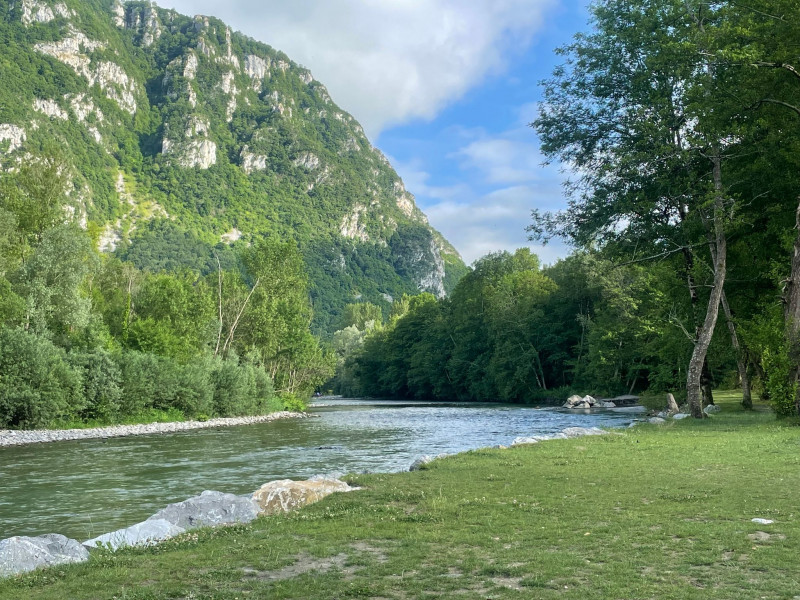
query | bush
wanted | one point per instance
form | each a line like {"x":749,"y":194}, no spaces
{"x":102,"y":385}
{"x":293,"y":402}
{"x":140,"y":382}
{"x":38,"y":387}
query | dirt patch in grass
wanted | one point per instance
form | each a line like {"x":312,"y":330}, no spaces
{"x":303,"y":564}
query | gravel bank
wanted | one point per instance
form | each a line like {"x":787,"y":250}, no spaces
{"x":19,"y":438}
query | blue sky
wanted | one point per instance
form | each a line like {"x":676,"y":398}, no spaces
{"x":445,"y":88}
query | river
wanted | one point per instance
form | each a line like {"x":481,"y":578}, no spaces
{"x":84,"y":488}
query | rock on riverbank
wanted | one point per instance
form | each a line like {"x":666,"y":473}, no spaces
{"x":9,"y":437}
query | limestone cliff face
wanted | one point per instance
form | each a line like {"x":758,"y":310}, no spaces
{"x":211,"y":127}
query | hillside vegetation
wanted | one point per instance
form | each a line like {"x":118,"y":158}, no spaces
{"x":182,"y":138}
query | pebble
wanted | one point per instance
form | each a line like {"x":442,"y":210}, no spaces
{"x":10,"y":437}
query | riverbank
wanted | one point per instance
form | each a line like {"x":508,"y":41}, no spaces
{"x":12,"y":437}
{"x":656,"y":511}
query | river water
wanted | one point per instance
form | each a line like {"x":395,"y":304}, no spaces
{"x":84,"y":488}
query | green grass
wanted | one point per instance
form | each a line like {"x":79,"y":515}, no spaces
{"x":651,"y":512}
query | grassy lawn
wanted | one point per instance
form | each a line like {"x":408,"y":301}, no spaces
{"x":650,"y":512}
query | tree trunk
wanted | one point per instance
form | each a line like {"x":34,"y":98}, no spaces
{"x":791,"y":298}
{"x":694,"y":372}
{"x":741,"y":359}
{"x":705,"y":384}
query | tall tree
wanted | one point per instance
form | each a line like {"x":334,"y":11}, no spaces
{"x":635,"y":113}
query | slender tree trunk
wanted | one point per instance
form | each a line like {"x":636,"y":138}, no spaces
{"x":791,"y":298}
{"x":741,"y":359}
{"x":694,"y":372}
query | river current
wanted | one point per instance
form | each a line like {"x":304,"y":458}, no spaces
{"x":84,"y":488}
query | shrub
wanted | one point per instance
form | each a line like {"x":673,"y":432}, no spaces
{"x":37,"y":385}
{"x":102,"y":384}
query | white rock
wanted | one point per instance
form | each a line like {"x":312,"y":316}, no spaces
{"x":50,"y":108}
{"x":680,"y":416}
{"x":208,"y":509}
{"x":352,"y":227}
{"x":307,"y":160}
{"x":573,"y":432}
{"x":424,"y":460}
{"x":762,"y":521}
{"x":711,"y":409}
{"x":146,"y":533}
{"x":656,"y":420}
{"x":13,"y":134}
{"x":20,"y":554}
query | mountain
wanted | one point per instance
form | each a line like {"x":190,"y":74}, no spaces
{"x":184,"y":139}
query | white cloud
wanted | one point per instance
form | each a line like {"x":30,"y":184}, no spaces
{"x":502,"y":180}
{"x":387,"y":61}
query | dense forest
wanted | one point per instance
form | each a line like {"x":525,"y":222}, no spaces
{"x":88,"y":338}
{"x":679,"y":124}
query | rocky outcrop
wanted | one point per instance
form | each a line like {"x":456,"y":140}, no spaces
{"x":352,"y":226}
{"x":433,"y":280}
{"x":307,"y":161}
{"x":20,"y":554}
{"x":146,"y":533}
{"x":74,"y":51}
{"x":11,"y":138}
{"x":252,"y":162}
{"x":285,"y":495}
{"x":36,"y":11}
{"x":195,"y":149}
{"x":257,"y":69}
{"x":209,"y":509}
{"x":49,"y":108}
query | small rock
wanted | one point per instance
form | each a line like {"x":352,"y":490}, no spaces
{"x":656,"y":420}
{"x":680,"y":416}
{"x":20,"y":554}
{"x":424,"y":460}
{"x":762,"y":521}
{"x":711,"y":408}
{"x":573,"y":432}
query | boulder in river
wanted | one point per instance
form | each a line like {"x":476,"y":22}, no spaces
{"x":20,"y":554}
{"x":146,"y":533}
{"x":285,"y":495}
{"x":208,"y":509}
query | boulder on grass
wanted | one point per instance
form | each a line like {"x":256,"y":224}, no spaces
{"x":424,"y":460}
{"x":146,"y":533}
{"x":711,"y":409}
{"x":208,"y":509}
{"x":573,"y":432}
{"x":285,"y":495}
{"x":20,"y":554}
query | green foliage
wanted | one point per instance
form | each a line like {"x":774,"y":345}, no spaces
{"x":102,"y":385}
{"x":38,"y":386}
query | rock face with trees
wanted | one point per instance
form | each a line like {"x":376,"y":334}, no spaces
{"x":181,"y":139}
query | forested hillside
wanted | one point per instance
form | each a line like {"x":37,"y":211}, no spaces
{"x":182,"y":138}
{"x":679,"y":123}
{"x":184,"y":213}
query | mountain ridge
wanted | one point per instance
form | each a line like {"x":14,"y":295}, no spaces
{"x":177,"y":123}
